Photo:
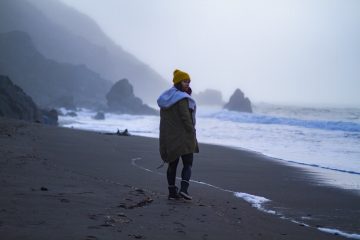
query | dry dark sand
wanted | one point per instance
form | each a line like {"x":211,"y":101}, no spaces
{"x":61,"y":183}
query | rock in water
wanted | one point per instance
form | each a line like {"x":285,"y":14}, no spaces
{"x":238,"y":102}
{"x":50,"y":117}
{"x":121,"y":99}
{"x":99,"y":116}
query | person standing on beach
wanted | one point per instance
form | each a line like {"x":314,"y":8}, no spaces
{"x":177,"y":132}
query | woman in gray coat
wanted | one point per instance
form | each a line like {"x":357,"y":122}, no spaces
{"x":177,"y":132}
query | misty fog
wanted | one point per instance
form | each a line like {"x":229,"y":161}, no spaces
{"x":289,"y":52}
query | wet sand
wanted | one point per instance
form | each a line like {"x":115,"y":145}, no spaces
{"x":58,"y":183}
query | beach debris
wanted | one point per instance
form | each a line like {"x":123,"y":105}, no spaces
{"x":136,"y":198}
{"x":111,"y":221}
{"x":124,"y":220}
{"x":123,"y":133}
{"x":141,"y":203}
{"x":137,"y":236}
{"x":122,"y":205}
{"x":139,"y":190}
{"x":120,"y":133}
{"x":121,"y":215}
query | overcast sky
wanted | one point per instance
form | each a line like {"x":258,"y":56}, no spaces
{"x":284,"y":51}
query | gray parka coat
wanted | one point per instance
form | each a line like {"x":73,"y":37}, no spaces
{"x":177,"y":131}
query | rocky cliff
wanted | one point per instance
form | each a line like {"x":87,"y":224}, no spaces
{"x":16,"y":104}
{"x":49,"y":83}
{"x":65,"y":35}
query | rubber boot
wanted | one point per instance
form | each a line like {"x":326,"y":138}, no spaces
{"x":173,"y":193}
{"x":184,"y":190}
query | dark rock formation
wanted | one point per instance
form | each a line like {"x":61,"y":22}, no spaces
{"x":123,"y":133}
{"x":238,"y":102}
{"x":99,"y":116}
{"x":50,"y":117}
{"x":209,"y":97}
{"x":121,"y":99}
{"x":16,"y":104}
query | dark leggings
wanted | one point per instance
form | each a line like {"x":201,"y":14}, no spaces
{"x":187,"y":160}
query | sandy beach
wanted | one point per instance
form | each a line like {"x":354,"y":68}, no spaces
{"x":59,"y":183}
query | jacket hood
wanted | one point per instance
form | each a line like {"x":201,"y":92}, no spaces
{"x":172,"y":96}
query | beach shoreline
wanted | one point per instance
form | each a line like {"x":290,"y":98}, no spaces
{"x":333,"y":153}
{"x":342,"y":179}
{"x":63,"y":183}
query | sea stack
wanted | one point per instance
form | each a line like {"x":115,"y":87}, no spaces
{"x":121,"y":99}
{"x":238,"y":102}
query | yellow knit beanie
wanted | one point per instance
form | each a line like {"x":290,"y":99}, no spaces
{"x":180,"y":76}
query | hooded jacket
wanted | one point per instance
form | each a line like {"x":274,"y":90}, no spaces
{"x":177,"y":124}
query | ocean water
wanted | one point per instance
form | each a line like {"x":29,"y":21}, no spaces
{"x":325,"y":141}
